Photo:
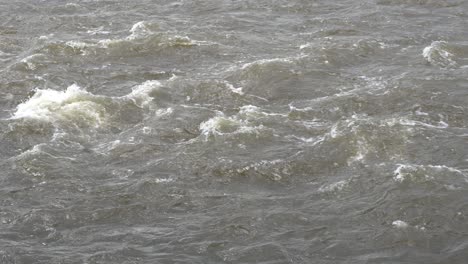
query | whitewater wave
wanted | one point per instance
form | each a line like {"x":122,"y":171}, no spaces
{"x":442,"y":175}
{"x":440,"y":53}
{"x":79,"y":108}
{"x":72,"y":104}
{"x":222,"y":125}
{"x":144,"y":38}
{"x":248,"y":121}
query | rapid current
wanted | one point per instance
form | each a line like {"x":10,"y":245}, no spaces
{"x":222,"y":131}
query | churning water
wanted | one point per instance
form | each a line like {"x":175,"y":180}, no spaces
{"x":219,"y":131}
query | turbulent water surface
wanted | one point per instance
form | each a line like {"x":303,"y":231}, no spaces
{"x":298,"y":131}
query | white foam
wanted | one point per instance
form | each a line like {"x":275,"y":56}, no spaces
{"x":304,"y":46}
{"x":138,"y":29}
{"x":438,"y":54}
{"x":36,"y":149}
{"x":334,"y":187}
{"x":268,"y":61}
{"x":30,"y":61}
{"x":143,"y":31}
{"x":163,"y":180}
{"x":254,"y":112}
{"x":445,"y":168}
{"x":361,"y":153}
{"x":51,"y":105}
{"x":141,"y":93}
{"x":412,"y":172}
{"x":81,"y":47}
{"x":72,"y":5}
{"x":165,"y":112}
{"x":268,"y":168}
{"x":99,"y":30}
{"x":420,"y":113}
{"x":146,"y":130}
{"x":246,"y":121}
{"x":408,"y":172}
{"x":107,"y":147}
{"x":312,"y":141}
{"x":185,"y":41}
{"x":250,"y":111}
{"x":234,"y":89}
{"x":400,"y":224}
{"x":334,"y":131}
{"x":81,"y":107}
{"x":408,"y":122}
{"x":77,"y":44}
{"x":221,"y":125}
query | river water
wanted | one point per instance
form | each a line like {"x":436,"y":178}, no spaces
{"x":319,"y":131}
